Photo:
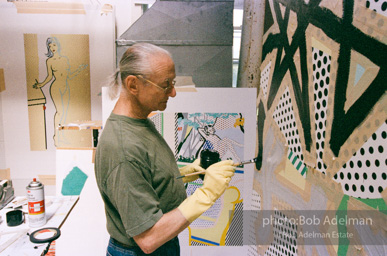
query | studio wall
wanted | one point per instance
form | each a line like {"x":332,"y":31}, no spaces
{"x":28,"y":130}
{"x":321,"y":129}
{"x":2,"y":149}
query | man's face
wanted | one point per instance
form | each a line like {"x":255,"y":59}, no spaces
{"x":153,"y":98}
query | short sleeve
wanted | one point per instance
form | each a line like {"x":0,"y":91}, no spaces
{"x":129,"y":188}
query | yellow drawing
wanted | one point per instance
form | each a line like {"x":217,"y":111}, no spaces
{"x":69,"y":87}
{"x":59,"y":72}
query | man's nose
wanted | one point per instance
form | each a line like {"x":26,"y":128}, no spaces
{"x":172,"y":93}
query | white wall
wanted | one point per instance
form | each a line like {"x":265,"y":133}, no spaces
{"x":14,"y":135}
{"x":15,"y":147}
{"x":126,"y":11}
{"x":2,"y":148}
{"x":87,"y":219}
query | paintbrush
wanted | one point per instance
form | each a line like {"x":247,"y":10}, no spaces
{"x":236,"y":164}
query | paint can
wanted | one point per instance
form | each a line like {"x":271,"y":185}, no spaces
{"x":36,"y":209}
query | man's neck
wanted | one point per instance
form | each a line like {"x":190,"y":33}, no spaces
{"x":130,"y":108}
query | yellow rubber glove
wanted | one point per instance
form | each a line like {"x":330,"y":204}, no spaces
{"x":194,"y":167}
{"x":215,"y":182}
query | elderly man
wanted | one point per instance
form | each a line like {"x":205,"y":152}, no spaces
{"x":146,"y":206}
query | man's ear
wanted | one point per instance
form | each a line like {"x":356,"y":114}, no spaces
{"x":131,"y":84}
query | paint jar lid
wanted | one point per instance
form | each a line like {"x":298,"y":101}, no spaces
{"x":208,"y":157}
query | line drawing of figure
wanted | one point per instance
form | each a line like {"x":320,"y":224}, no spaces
{"x":209,"y":135}
{"x":59,"y":72}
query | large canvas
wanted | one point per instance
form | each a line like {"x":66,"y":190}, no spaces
{"x":321,"y":135}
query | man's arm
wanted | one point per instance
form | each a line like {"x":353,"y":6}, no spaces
{"x":172,"y":223}
{"x":168,"y":227}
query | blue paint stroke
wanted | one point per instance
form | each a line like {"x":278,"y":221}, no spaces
{"x":359,"y":73}
{"x":204,"y":240}
{"x":73,"y":183}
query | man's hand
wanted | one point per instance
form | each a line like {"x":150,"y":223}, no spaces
{"x":216,"y":181}
{"x":191,"y":168}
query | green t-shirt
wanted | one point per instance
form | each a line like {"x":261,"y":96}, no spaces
{"x":136,"y":174}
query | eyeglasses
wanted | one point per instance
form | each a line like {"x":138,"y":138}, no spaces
{"x":167,"y":90}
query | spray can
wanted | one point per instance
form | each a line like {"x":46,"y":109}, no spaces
{"x":36,"y":209}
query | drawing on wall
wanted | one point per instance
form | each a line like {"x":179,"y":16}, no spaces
{"x":59,"y":76}
{"x":224,"y":133}
{"x":322,"y":122}
{"x":66,"y":73}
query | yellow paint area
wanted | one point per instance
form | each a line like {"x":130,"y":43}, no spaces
{"x":291,"y":174}
{"x":217,"y":233}
{"x":239,"y":122}
{"x":319,"y":45}
{"x":189,"y":128}
{"x":2,"y":80}
{"x":36,"y":98}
